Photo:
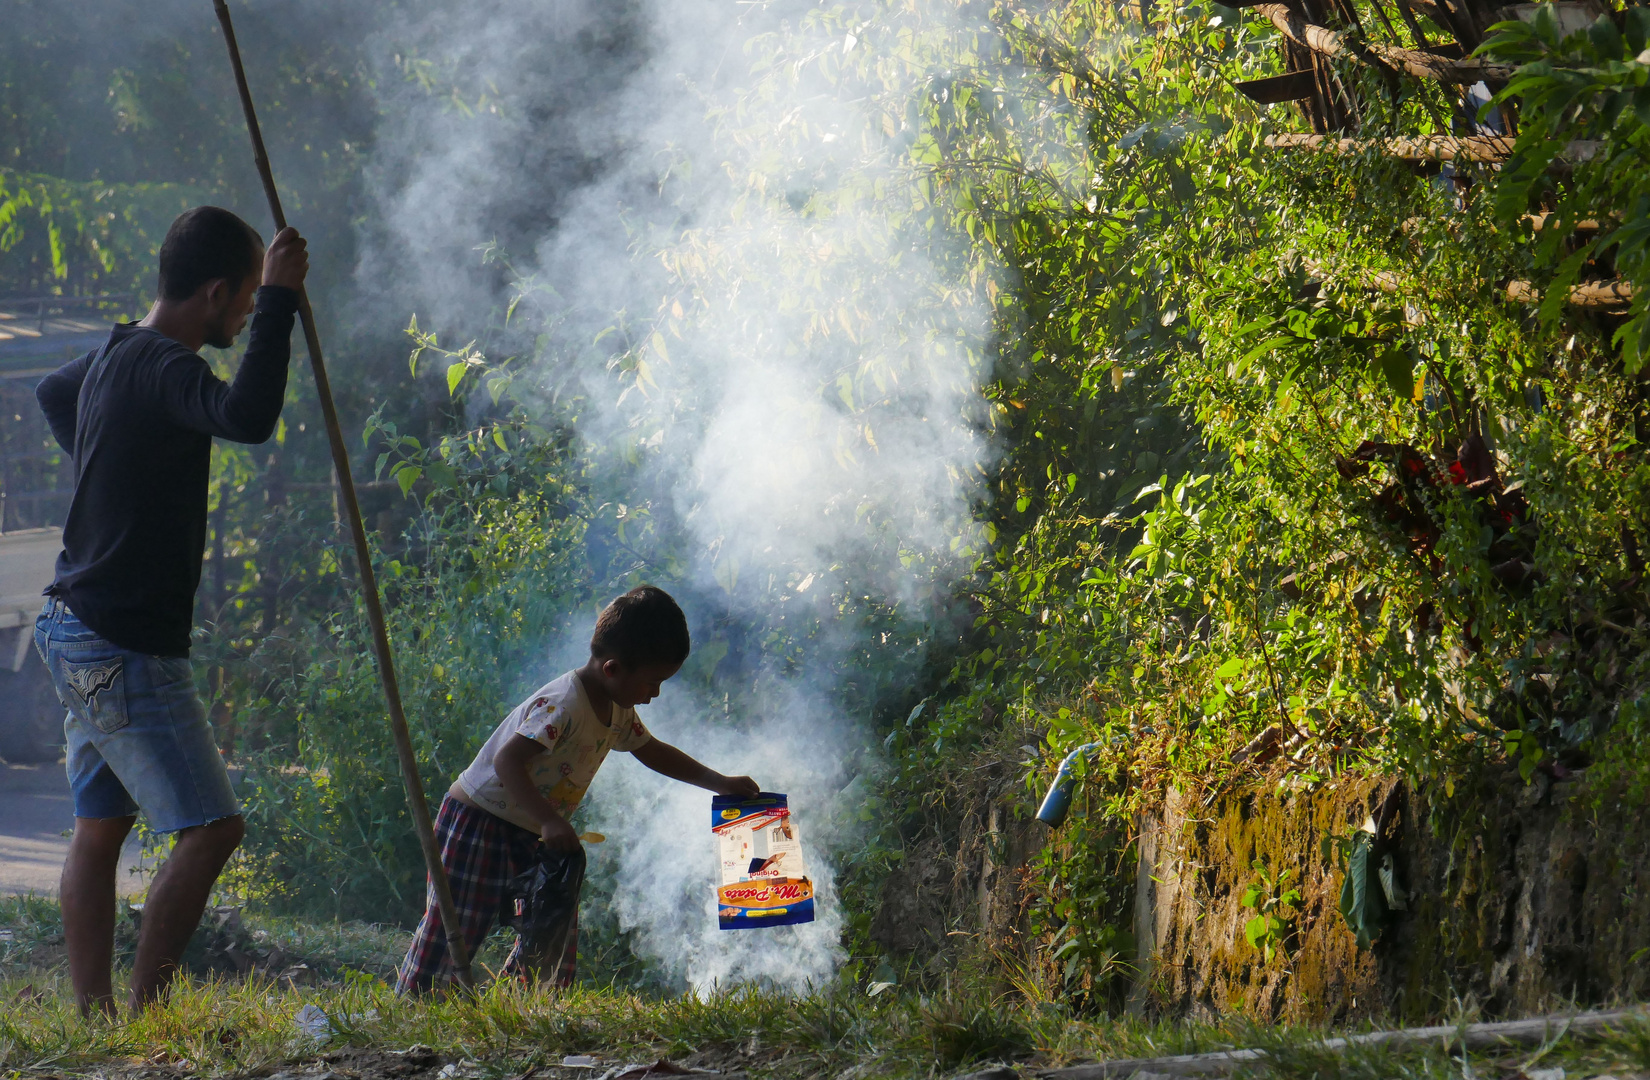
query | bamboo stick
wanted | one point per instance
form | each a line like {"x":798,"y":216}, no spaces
{"x":1468,"y":1037}
{"x":1406,"y":148}
{"x":1327,"y":42}
{"x":1538,"y":222}
{"x":351,"y":508}
{"x":1482,"y":148}
{"x":1586,"y":294}
{"x":1614,"y":293}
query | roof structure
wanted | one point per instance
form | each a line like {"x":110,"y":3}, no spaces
{"x":1324,"y":41}
{"x":1315,"y":32}
{"x":41,"y":333}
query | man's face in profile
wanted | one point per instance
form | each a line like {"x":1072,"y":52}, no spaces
{"x":229,"y":305}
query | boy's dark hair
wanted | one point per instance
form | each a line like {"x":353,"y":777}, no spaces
{"x":644,"y":626}
{"x":202,"y":245}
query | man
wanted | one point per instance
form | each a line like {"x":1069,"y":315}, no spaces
{"x":138,"y":415}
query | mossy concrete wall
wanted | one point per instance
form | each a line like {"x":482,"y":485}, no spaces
{"x":1520,"y":897}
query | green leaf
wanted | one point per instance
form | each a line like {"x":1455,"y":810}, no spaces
{"x":845,"y":390}
{"x":1545,"y":24}
{"x":1638,"y":28}
{"x":455,"y":375}
{"x":1269,"y":345}
{"x":407,"y":475}
{"x":1399,"y":369}
{"x":1362,"y":904}
{"x":1641,"y":100}
{"x":1605,"y":38}
{"x":1557,"y":296}
{"x":442,"y":473}
{"x":1230,"y":669}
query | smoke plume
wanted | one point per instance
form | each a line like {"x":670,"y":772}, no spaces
{"x":794,"y":372}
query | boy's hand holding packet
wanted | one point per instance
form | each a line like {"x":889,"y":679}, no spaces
{"x":515,"y":799}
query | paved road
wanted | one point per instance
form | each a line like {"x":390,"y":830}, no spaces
{"x":36,"y":816}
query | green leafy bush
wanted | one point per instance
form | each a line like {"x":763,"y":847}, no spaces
{"x":500,"y":573}
{"x":61,"y":237}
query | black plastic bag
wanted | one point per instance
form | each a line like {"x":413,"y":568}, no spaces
{"x":542,"y":902}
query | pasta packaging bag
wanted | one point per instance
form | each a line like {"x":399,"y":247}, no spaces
{"x":760,"y":877}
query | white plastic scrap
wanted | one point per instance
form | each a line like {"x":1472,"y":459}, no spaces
{"x":578,"y":1061}
{"x":314,"y":1023}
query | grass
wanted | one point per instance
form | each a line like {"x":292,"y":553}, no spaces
{"x":219,"y":1027}
{"x":227,"y":1026}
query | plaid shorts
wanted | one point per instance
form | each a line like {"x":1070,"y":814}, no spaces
{"x":481,"y":853}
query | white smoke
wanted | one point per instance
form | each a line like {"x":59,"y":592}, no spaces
{"x":661,"y":840}
{"x":800,"y":378}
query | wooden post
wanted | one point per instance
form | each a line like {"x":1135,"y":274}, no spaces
{"x":363,"y":555}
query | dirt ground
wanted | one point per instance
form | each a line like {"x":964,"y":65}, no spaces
{"x":36,"y":816}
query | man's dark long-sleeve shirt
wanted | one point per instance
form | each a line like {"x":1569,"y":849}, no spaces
{"x":139,"y":415}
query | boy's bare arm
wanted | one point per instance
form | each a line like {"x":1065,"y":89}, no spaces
{"x":666,"y":760}
{"x":510,"y":763}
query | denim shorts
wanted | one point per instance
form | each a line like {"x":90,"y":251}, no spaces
{"x":136,"y":731}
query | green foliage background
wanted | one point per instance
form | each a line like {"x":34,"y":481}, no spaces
{"x":1173,"y":553}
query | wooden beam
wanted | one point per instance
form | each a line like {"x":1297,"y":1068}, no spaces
{"x":1449,"y":50}
{"x":1423,"y":65}
{"x":1291,"y":87}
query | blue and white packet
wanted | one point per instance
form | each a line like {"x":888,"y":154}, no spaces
{"x":761,"y":880}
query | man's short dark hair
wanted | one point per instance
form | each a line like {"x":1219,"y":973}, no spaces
{"x":642,"y":627}
{"x":205,"y":244}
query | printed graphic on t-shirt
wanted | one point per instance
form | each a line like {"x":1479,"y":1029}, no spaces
{"x":558,"y":717}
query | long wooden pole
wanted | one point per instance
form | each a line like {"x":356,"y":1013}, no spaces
{"x":1491,"y":149}
{"x":351,"y":509}
{"x":1491,"y":1036}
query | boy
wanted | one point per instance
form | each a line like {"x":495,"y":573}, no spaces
{"x":529,"y":777}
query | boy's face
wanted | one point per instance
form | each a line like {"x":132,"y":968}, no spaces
{"x":633,"y":686}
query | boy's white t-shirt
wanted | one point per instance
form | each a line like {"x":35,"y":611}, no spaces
{"x":560,"y":718}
